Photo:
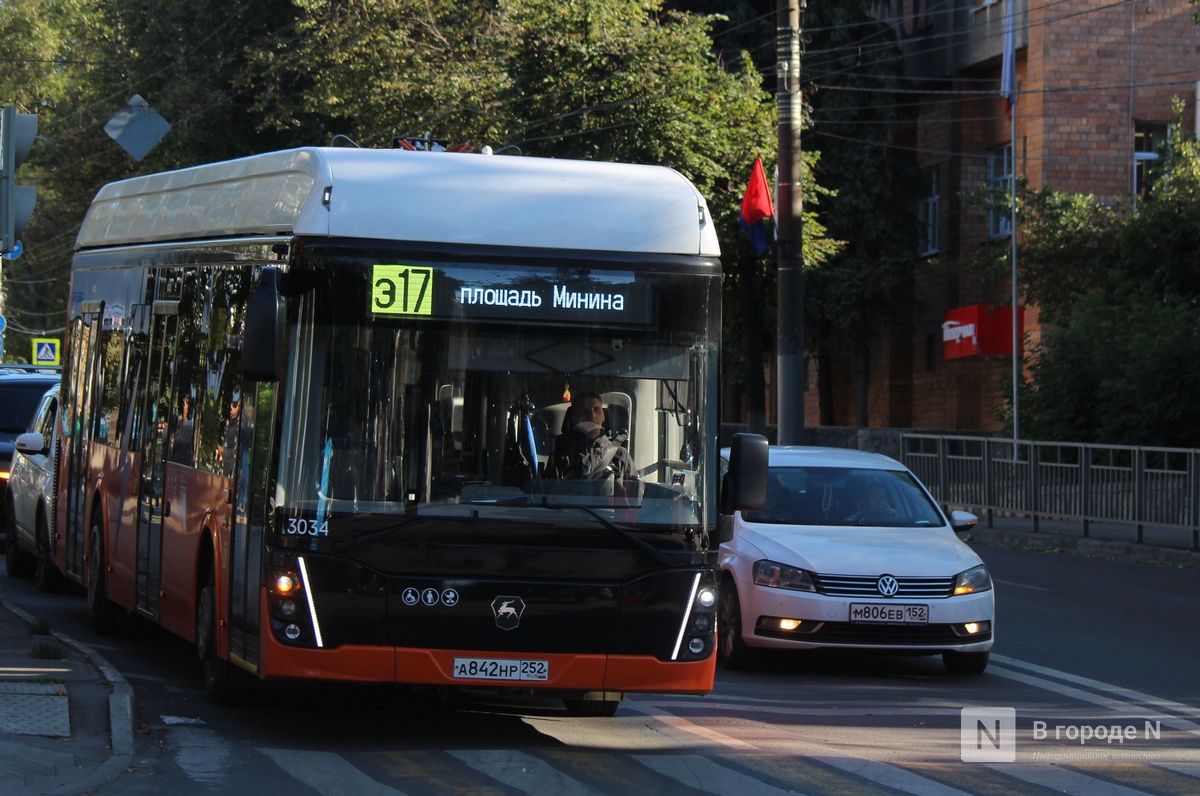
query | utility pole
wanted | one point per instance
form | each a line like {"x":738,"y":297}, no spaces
{"x":789,"y":392}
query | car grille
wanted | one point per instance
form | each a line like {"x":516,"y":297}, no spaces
{"x":860,"y":586}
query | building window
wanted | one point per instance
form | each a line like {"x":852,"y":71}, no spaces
{"x":927,"y":213}
{"x":1000,"y":176}
{"x":1147,"y":138}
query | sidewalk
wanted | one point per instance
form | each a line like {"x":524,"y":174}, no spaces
{"x":66,"y":715}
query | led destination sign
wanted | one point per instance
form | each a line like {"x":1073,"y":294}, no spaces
{"x":422,"y":291}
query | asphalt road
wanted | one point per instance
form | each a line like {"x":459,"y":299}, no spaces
{"x":1084,"y":646}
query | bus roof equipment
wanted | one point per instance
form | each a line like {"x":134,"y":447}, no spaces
{"x":438,"y":197}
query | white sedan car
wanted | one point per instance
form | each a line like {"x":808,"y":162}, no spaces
{"x":851,"y":552}
{"x":31,"y":498}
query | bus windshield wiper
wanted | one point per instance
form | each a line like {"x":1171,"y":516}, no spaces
{"x":341,"y":545}
{"x":659,"y":555}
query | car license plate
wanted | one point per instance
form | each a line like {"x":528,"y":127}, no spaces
{"x":889,"y":614}
{"x":501,"y":669}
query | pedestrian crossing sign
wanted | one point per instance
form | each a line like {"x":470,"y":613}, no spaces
{"x":46,"y":351}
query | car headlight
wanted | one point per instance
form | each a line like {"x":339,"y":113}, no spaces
{"x":973,"y":580}
{"x":781,"y":576}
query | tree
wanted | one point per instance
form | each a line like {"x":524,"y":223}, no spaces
{"x":862,"y":292}
{"x":1119,"y":291}
{"x":594,"y":79}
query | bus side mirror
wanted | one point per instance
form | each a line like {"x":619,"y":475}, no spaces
{"x":746,"y":482}
{"x":263,"y":346}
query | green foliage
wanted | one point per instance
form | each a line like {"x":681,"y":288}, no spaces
{"x":1119,"y":289}
{"x":627,"y":80}
{"x":862,"y":289}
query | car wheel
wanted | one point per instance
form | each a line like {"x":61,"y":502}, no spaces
{"x":967,"y":663}
{"x":101,"y":613}
{"x":46,"y":573}
{"x":731,"y":648}
{"x":591,"y":708}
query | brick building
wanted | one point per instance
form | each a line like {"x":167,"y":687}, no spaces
{"x":1095,"y":81}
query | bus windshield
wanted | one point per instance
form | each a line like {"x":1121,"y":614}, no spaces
{"x":469,"y":416}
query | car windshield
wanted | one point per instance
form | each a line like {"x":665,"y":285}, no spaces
{"x":840,"y":496}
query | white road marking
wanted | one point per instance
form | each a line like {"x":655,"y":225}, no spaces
{"x":680,"y":723}
{"x":703,"y":774}
{"x":891,"y":776}
{"x":1062,"y":780}
{"x":524,"y":772}
{"x":327,"y":773}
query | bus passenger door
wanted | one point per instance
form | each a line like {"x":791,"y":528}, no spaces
{"x":79,"y":406}
{"x":156,"y":413}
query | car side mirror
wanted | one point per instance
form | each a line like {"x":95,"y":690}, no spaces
{"x":30,"y":443}
{"x":963,"y":521}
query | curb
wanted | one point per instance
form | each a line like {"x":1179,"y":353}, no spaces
{"x":120,"y":714}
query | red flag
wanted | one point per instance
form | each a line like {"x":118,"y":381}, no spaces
{"x":756,"y":205}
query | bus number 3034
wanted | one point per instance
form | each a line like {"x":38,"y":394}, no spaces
{"x":301,"y":527}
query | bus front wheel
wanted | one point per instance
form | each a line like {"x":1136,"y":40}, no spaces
{"x":219,"y":675}
{"x":101,"y":613}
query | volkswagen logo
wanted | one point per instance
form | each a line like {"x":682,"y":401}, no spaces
{"x":887,"y":585}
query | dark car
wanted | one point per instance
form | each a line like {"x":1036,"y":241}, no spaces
{"x":21,"y":391}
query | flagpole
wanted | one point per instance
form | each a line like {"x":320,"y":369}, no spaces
{"x":1016,"y":331}
{"x":1008,"y":90}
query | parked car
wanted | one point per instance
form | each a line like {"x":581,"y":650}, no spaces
{"x":21,"y":391}
{"x":30,"y":497}
{"x":850,"y":551}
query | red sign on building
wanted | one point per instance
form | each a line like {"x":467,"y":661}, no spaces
{"x":979,"y":330}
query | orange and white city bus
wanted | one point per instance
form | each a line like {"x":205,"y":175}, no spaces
{"x":319,"y":406}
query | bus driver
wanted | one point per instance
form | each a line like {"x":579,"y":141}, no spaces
{"x":585,"y":450}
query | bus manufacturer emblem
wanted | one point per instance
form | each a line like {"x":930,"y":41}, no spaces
{"x":508,"y":611}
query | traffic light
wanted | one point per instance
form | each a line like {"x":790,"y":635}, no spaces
{"x":17,"y":131}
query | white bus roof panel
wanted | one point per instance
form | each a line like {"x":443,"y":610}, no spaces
{"x":437,"y":197}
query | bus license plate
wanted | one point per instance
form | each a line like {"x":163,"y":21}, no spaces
{"x":501,"y":669}
{"x":878,"y":614}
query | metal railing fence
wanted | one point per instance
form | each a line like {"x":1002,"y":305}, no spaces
{"x":1138,"y":487}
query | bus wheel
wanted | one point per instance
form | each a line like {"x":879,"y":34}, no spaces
{"x":219,"y":675}
{"x":46,"y":575}
{"x":101,"y":614}
{"x":591,"y":708}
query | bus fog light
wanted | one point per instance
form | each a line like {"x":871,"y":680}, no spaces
{"x":696,"y":646}
{"x":292,"y":631}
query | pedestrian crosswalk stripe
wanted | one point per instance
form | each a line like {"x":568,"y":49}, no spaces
{"x":327,"y":773}
{"x":523,"y":772}
{"x":891,"y":776}
{"x":1062,"y":780}
{"x":703,"y":774}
